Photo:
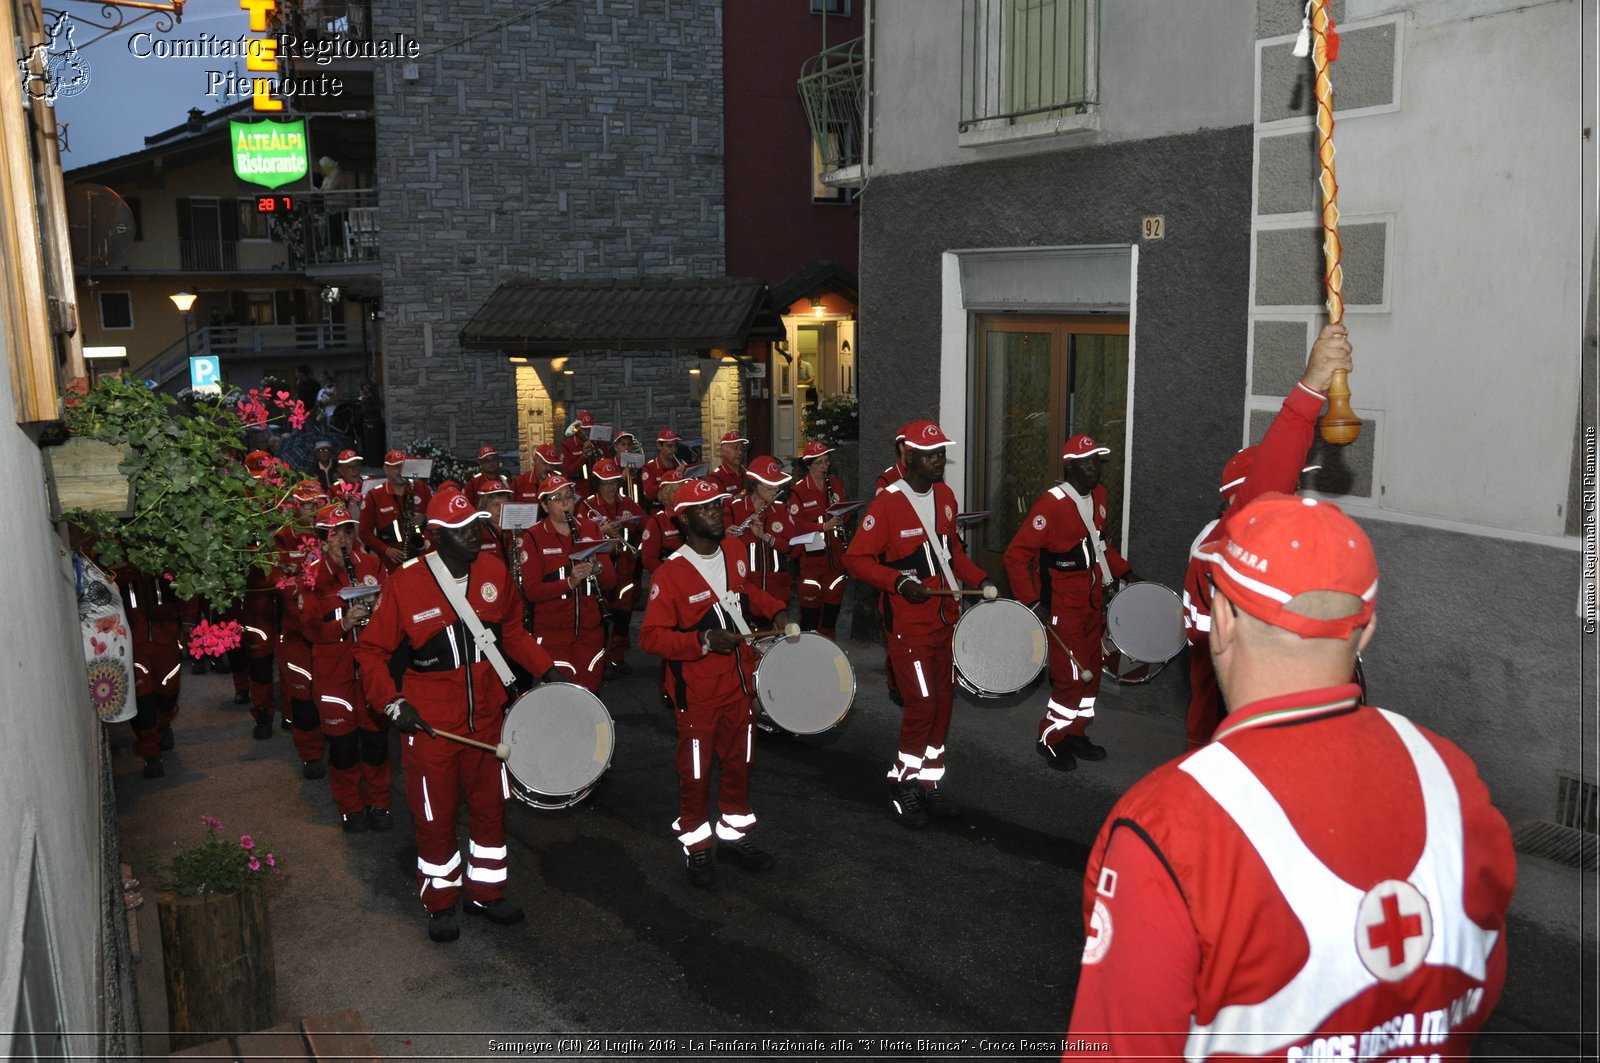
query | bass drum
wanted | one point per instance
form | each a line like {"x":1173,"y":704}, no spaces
{"x":561,"y":740}
{"x":1144,"y":630}
{"x":804,"y":683}
{"x":999,"y":647}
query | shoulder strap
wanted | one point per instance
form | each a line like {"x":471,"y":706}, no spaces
{"x":480,"y":634}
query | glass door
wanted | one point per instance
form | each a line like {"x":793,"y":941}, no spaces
{"x":1038,"y":381}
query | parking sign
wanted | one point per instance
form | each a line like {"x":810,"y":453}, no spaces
{"x":205,"y":373}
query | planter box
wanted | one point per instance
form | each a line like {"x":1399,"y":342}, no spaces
{"x":83,"y":474}
{"x":217,"y":950}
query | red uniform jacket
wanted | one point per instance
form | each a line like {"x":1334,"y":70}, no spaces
{"x":381,"y":526}
{"x":1053,"y":553}
{"x":728,"y":476}
{"x":475,"y":485}
{"x":155,"y":620}
{"x":768,"y":562}
{"x":291,"y":576}
{"x":681,"y":606}
{"x":575,"y":463}
{"x":650,"y":477}
{"x":661,"y":537}
{"x":525,"y":487}
{"x":888,"y":476}
{"x":321,"y":608}
{"x":626,"y":562}
{"x":890,"y":543}
{"x":415,"y":645}
{"x":561,"y":611}
{"x":808,"y":508}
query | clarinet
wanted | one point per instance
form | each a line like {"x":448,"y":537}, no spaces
{"x":350,"y":572}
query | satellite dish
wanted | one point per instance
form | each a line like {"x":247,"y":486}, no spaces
{"x":100,"y":223}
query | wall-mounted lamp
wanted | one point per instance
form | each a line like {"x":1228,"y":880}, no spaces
{"x":697,"y":384}
{"x":566,"y":386}
{"x":816,"y":305}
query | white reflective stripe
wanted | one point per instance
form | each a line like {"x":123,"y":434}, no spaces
{"x":298,"y":670}
{"x":175,"y":670}
{"x":931,"y":774}
{"x":910,"y":761}
{"x":920,"y":681}
{"x":338,"y":701}
{"x":625,"y":590}
{"x":1054,"y":710}
{"x":734,"y":819}
{"x":141,"y":668}
{"x":439,"y":870}
{"x":1055,"y":725}
{"x":255,"y":631}
{"x":933,"y":753}
{"x":565,"y":664}
{"x":699,"y":834}
{"x":694,"y":755}
{"x":427,"y":806}
{"x":505,"y":784}
{"x":1085,"y":703}
{"x":455,"y":651}
{"x":595,"y":659}
{"x":133,"y":598}
{"x":445,"y":883}
{"x":485,"y":874}
{"x":727,"y":833}
{"x":811,"y":583}
{"x":395,"y":524}
{"x":485,"y":852}
{"x":749,"y":743}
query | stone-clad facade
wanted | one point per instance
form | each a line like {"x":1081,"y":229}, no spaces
{"x":562,"y":141}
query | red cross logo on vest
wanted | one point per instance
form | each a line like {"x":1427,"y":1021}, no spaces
{"x":1394,"y":928}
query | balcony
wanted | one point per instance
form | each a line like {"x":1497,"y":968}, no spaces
{"x":334,"y":235}
{"x":832,"y":88}
{"x":1029,"y":68}
{"x":242,"y":345}
{"x":208,"y":255}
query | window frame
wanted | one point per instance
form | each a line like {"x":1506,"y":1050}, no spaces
{"x":100,"y":305}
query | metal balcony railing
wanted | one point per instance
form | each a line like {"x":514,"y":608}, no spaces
{"x":339,"y":227}
{"x":1028,"y":59}
{"x":168,"y":368}
{"x":311,"y":21}
{"x":208,"y":254}
{"x":832,"y":88}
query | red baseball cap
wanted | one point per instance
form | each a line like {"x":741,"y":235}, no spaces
{"x":308,"y":491}
{"x":666,"y":435}
{"x":494,"y":487}
{"x":256,"y":462}
{"x":900,"y":433}
{"x":925,"y":435}
{"x":607,"y":469}
{"x":1081,"y":446}
{"x":1280,"y":546}
{"x":584,"y":418}
{"x":450,"y":509}
{"x":333,"y":516}
{"x":394,"y":457}
{"x":1238,"y":468}
{"x":768,"y":470}
{"x":697,"y":493}
{"x":553,"y":483}
{"x":815,"y":449}
{"x":487,"y":451}
{"x":347,"y":456}
{"x":548,"y":453}
{"x":733,"y":437}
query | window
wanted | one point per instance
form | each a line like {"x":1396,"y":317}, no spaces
{"x":253,"y":225}
{"x":116,"y":310}
{"x":1027,"y":60}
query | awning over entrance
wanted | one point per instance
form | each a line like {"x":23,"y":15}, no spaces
{"x":533,"y":316}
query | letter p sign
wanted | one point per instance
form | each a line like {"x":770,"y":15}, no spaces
{"x":205,"y":374}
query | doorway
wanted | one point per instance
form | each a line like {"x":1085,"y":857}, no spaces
{"x":1038,"y":380}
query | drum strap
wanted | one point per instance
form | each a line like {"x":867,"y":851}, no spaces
{"x":1086,"y":514}
{"x":935,"y":546}
{"x":480,"y":634}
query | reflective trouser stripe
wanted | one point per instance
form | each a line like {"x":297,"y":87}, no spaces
{"x":921,"y":682}
{"x":699,"y":834}
{"x":694,"y":754}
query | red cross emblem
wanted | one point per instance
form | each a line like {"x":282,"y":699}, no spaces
{"x":1394,"y":928}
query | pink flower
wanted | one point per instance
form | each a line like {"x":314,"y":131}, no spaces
{"x":282,"y":396}
{"x":211,"y":822}
{"x":271,"y":862}
{"x":255,"y":865}
{"x":246,"y":842}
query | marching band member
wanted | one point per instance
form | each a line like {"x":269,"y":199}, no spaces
{"x":488,"y":469}
{"x":661,"y":535}
{"x":565,"y":596}
{"x":492,"y":498}
{"x":1059,"y":557}
{"x":391,"y":517}
{"x":654,"y":472}
{"x":358,"y":739}
{"x":619,"y":518}
{"x":822,"y":572}
{"x":159,"y":623}
{"x":907,"y":547}
{"x":447,"y":684}
{"x":546,"y":460}
{"x":729,"y":473}
{"x":762,"y":526}
{"x":349,"y":488}
{"x":625,"y":442}
{"x":702,"y":602}
{"x":897,"y":471}
{"x":294,"y":650}
{"x":578,"y":452}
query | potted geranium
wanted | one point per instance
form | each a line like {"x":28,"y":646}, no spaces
{"x":216,"y":942}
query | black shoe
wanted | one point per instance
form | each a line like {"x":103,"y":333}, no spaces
{"x":938,"y":805}
{"x":499,"y":911}
{"x":443,"y":926}
{"x":167,"y":741}
{"x":355,"y":822}
{"x":906,"y":802}
{"x":1058,"y":757}
{"x":1084,"y":749}
{"x":379,"y":818}
{"x":262,"y":729}
{"x":198,"y":667}
{"x":284,"y":723}
{"x":242,"y":697}
{"x":894,"y":696}
{"x":153,"y":769}
{"x":745,"y":855}
{"x":313,"y":769}
{"x":702,"y":872}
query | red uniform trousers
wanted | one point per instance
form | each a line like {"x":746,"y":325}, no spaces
{"x":258,"y":624}
{"x":621,"y":605}
{"x":1070,"y":709}
{"x":1205,"y":697}
{"x":158,"y":679}
{"x":358,"y":747}
{"x":925,"y":671}
{"x":294,"y":671}
{"x":584,"y":654}
{"x":724,"y":729}
{"x":437,"y":772}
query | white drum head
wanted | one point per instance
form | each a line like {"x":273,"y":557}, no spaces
{"x":999,"y":647}
{"x":1145,"y":622}
{"x":805,"y":683}
{"x":561,"y":739}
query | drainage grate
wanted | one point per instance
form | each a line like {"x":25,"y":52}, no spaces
{"x":1577,"y":803}
{"x":1553,"y":841}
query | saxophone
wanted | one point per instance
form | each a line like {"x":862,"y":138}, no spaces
{"x":366,"y":604}
{"x":415,"y":542}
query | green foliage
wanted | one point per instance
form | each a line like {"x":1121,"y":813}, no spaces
{"x":836,"y":419}
{"x":446,"y":466}
{"x":197,"y":513}
{"x":220,"y":865}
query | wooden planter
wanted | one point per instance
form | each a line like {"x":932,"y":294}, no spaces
{"x":84,"y":474}
{"x":217,"y":949}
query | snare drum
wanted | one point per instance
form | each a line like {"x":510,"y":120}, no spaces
{"x":999,"y":647}
{"x":1144,"y":630}
{"x":804,"y":683}
{"x":561,"y":740}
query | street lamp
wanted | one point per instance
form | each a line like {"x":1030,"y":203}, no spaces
{"x":184,"y":301}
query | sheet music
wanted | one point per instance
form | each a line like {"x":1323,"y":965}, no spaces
{"x":515,"y":516}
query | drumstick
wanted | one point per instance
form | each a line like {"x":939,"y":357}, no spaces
{"x":962,"y":592}
{"x":792,"y":629}
{"x":502,"y":751}
{"x":1066,"y":649}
